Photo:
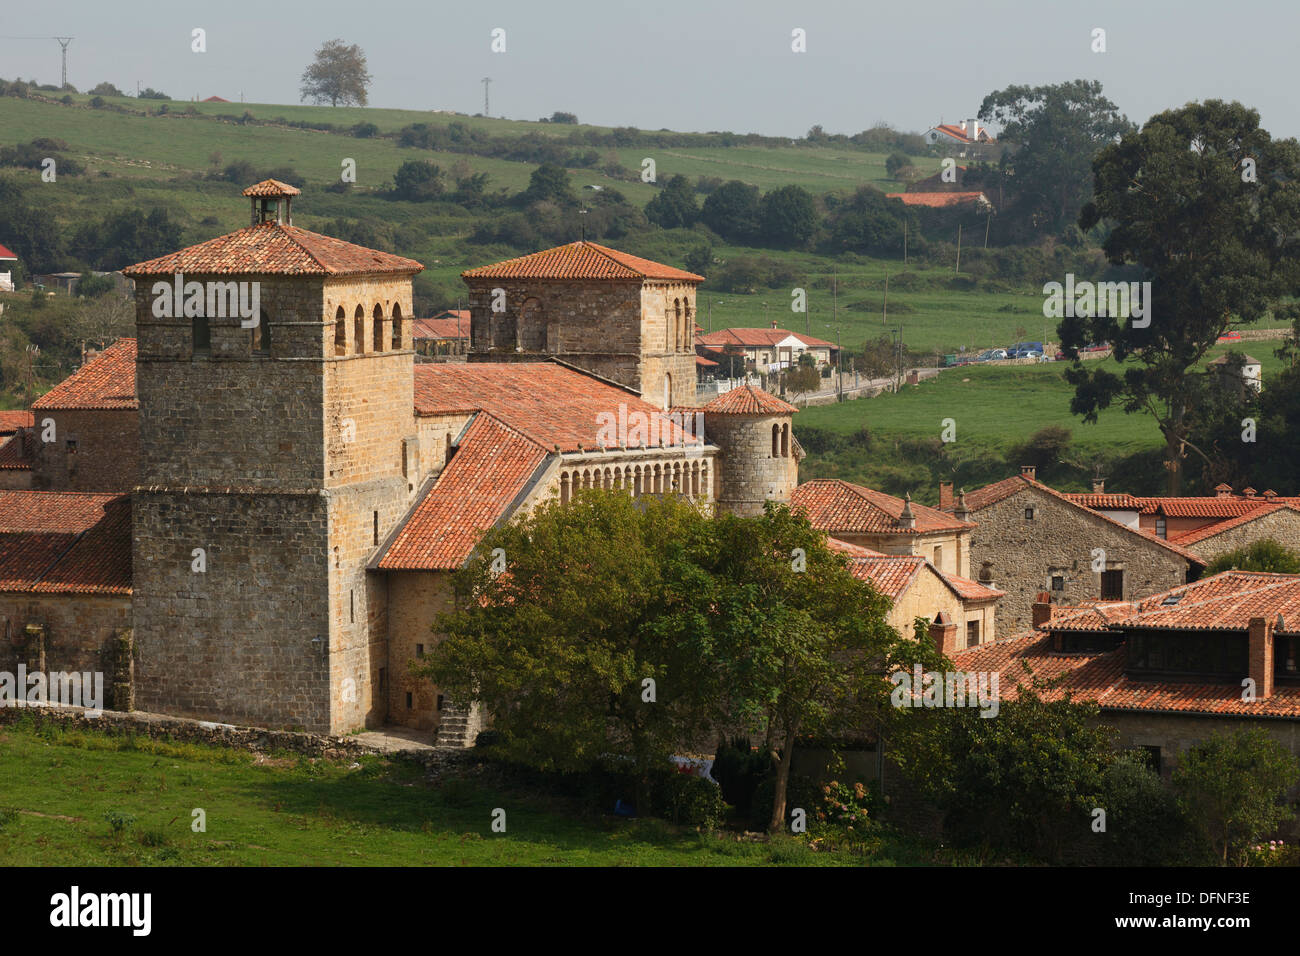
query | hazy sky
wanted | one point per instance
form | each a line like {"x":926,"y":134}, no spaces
{"x":684,"y":64}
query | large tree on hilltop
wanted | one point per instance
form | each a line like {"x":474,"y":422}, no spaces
{"x":337,"y":75}
{"x":1056,"y":131}
{"x":1208,"y":205}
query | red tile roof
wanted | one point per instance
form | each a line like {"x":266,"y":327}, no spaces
{"x":1100,"y":501}
{"x":580,"y":260}
{"x":748,"y":400}
{"x":550,"y":403}
{"x":440,"y":328}
{"x":492,"y":466}
{"x":271,"y":248}
{"x":105,"y":382}
{"x":10,"y":422}
{"x":757,"y":338}
{"x":837,"y":507}
{"x":954,"y":131}
{"x":65,"y":542}
{"x":18,"y":452}
{"x":1209,"y":531}
{"x":272,"y":188}
{"x":982,"y":498}
{"x":891,"y":575}
{"x":937,"y":200}
{"x":1100,"y":677}
{"x":969,"y":590}
{"x":6,"y":254}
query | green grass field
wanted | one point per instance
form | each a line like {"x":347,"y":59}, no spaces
{"x":57,"y":786}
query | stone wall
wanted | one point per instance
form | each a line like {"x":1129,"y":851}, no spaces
{"x":1022,"y":555}
{"x":748,"y":474}
{"x":81,"y":633}
{"x":1282,"y":526}
{"x":92,"y":450}
{"x":415,"y":599}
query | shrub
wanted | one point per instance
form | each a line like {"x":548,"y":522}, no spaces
{"x":684,"y":798}
{"x":801,"y":793}
{"x":739,"y":768}
{"x":120,"y":822}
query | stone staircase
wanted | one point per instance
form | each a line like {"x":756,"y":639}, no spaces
{"x":458,"y":727}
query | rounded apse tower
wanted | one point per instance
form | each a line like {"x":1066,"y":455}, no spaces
{"x":759,"y":460}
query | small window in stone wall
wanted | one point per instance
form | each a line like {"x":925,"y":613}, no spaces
{"x":71,"y":446}
{"x":440,"y":702}
{"x":419,"y":650}
{"x":202,"y":334}
{"x":1029,"y":514}
{"x":409,"y":700}
{"x":1058,"y":582}
{"x":972,"y":633}
{"x":376,"y":517}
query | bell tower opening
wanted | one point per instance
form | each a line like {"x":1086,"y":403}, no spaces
{"x":271,"y":201}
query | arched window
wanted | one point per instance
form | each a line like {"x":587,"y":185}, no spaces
{"x":378,"y":322}
{"x":202,"y":333}
{"x":340,"y":332}
{"x":688,"y":328}
{"x":260,"y":335}
{"x":677,"y":323}
{"x":785,"y":441}
{"x":359,"y":330}
{"x":668,"y":391}
{"x":398,"y":341}
{"x":776,"y":441}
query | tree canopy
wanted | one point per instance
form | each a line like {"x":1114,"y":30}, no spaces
{"x":337,"y":75}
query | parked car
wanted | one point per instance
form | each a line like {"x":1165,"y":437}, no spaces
{"x":991,"y":355}
{"x":1022,"y":349}
{"x":1232,"y":335}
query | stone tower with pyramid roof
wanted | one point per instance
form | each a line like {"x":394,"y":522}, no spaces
{"x":277,"y":442}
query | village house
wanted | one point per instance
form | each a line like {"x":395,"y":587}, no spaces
{"x":7,"y":276}
{"x":1031,"y":539}
{"x":1219,"y":654}
{"x":446,"y":333}
{"x":767,"y":350}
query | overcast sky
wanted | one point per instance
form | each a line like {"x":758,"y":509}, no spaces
{"x":684,"y":64}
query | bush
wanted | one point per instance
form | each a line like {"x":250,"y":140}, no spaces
{"x":739,"y":768}
{"x":687,"y":799}
{"x":801,"y":792}
{"x":1144,"y":824}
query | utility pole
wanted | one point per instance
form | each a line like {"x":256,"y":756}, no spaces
{"x":957,"y":270}
{"x":904,"y":242}
{"x":987,"y":222}
{"x":487,"y":80}
{"x":884,"y":306}
{"x":839,"y":369}
{"x":63,"y":43}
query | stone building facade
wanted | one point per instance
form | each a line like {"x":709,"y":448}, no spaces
{"x":1031,"y":539}
{"x":626,"y":319}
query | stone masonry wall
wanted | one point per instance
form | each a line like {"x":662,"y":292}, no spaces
{"x":1282,"y":526}
{"x":65,"y":632}
{"x":1023,"y":555}
{"x":106,"y":455}
{"x":747,"y":474}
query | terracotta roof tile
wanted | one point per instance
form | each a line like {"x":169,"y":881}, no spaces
{"x":271,"y":248}
{"x":937,"y":200}
{"x":550,"y":403}
{"x":105,"y":382}
{"x":1100,"y":677}
{"x":1209,"y":531}
{"x":757,"y":338}
{"x":65,"y":542}
{"x":272,"y":188}
{"x":6,"y":254}
{"x":1100,"y":501}
{"x":580,"y":260}
{"x":440,"y":328}
{"x":969,"y":590}
{"x":839,"y":507}
{"x":18,"y":452}
{"x":10,"y":422}
{"x":748,"y":400}
{"x":492,"y":465}
{"x":891,"y":575}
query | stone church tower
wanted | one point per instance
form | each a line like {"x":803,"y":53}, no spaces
{"x":760,"y":457}
{"x":276,"y":448}
{"x":626,"y":319}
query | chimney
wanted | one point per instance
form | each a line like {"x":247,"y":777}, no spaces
{"x":906,"y":519}
{"x":1248,"y":492}
{"x":963,"y":125}
{"x":972,"y":128}
{"x":1042,"y":609}
{"x":944,"y":634}
{"x":1223,"y":491}
{"x":1028,"y":471}
{"x":945,"y":496}
{"x":774,"y":323}
{"x":1261,"y":656}
{"x":961,"y":512}
{"x":1099,"y":486}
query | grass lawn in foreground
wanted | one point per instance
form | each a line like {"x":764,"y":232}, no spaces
{"x":58,"y":785}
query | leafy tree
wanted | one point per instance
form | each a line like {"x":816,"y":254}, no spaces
{"x":699,"y":259}
{"x":1234,"y":785}
{"x":549,"y":183}
{"x":1266,"y":554}
{"x":560,"y":117}
{"x":801,"y":379}
{"x":895,"y":162}
{"x":800,"y":644}
{"x":1058,"y":129}
{"x":32,"y":234}
{"x":597,"y":597}
{"x":149,"y":93}
{"x":732,"y":211}
{"x":1145,"y":825}
{"x":673,"y":207}
{"x":418,"y":180}
{"x":106,"y":89}
{"x":868,"y":222}
{"x":788,"y":217}
{"x":1213,"y":242}
{"x":122,"y":238}
{"x":90,"y":285}
{"x":337,"y":75}
{"x":1023,"y":780}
